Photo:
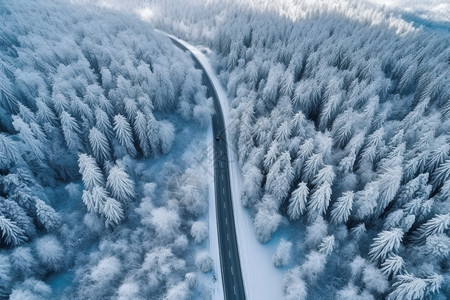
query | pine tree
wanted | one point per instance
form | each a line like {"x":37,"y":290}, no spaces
{"x":437,"y":157}
{"x":280,"y":177}
{"x":298,"y":200}
{"x":167,"y":136}
{"x":47,"y":216}
{"x":103,"y":124}
{"x":311,"y":167}
{"x":71,"y":132}
{"x":327,"y":245}
{"x":441,"y":174}
{"x":386,"y":243}
{"x":373,"y":145}
{"x":409,"y":287}
{"x":320,"y":200}
{"x":11,"y":233}
{"x":99,"y":145}
{"x":90,"y":172}
{"x":325,"y":175}
{"x":436,"y":225}
{"x":271,"y":156}
{"x":28,"y":137}
{"x":11,"y":210}
{"x":342,"y":208}
{"x":304,"y":153}
{"x":393,"y":265}
{"x":120,"y":185}
{"x":389,"y":182}
{"x":113,"y":212}
{"x":124,"y":135}
{"x":140,"y":128}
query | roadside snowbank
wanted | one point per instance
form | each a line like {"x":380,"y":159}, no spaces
{"x":261,"y":279}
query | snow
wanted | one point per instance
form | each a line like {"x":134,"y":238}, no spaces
{"x":433,"y":10}
{"x":261,"y":279}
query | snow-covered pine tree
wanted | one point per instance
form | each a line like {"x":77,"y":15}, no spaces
{"x":120,"y":184}
{"x":409,"y":287}
{"x":47,"y":216}
{"x":436,"y":225}
{"x":124,"y":134}
{"x":113,"y":212}
{"x":386,"y":243}
{"x":311,"y":167}
{"x":11,"y":233}
{"x":320,"y":200}
{"x":99,"y":145}
{"x":393,"y":265}
{"x":90,"y":172}
{"x":71,"y":132}
{"x":342,"y":208}
{"x":103,"y":123}
{"x":298,"y":200}
{"x":140,"y":128}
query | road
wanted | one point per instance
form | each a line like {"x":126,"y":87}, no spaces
{"x":233,"y":286}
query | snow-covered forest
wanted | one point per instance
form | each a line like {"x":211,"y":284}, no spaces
{"x":340,"y":119}
{"x":99,"y":120}
{"x":341,"y":123}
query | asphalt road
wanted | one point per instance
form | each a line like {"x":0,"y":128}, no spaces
{"x":233,"y":286}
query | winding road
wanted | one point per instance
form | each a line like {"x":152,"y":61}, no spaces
{"x":229,"y":254}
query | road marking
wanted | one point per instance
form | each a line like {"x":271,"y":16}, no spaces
{"x":232,"y":273}
{"x":226,"y":220}
{"x":234,"y":288}
{"x":222,"y":176}
{"x":223,"y":190}
{"x":228,"y":236}
{"x":224,"y":205}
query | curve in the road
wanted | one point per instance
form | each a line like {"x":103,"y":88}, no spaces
{"x":233,"y":285}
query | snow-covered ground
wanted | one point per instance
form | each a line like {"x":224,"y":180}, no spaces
{"x":432,"y":10}
{"x":261,"y":279}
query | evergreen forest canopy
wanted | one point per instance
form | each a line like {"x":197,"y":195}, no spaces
{"x":91,"y":105}
{"x":341,"y":120}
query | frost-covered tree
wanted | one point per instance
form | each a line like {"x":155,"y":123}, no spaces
{"x":50,"y":252}
{"x":204,"y":262}
{"x":167,"y":136}
{"x":293,"y":286}
{"x":327,"y":245}
{"x":11,"y":234}
{"x":71,"y":132}
{"x":47,"y":216}
{"x":436,"y":225}
{"x":311,"y":167}
{"x":393,"y":265}
{"x":386,"y":243}
{"x":124,"y":134}
{"x":320,"y":200}
{"x":120,"y":184}
{"x":99,"y":145}
{"x":342,"y":208}
{"x":282,"y":255}
{"x":409,"y":287}
{"x":297,"y":201}
{"x":90,"y":172}
{"x":267,"y":219}
{"x":112,"y":211}
{"x":199,"y":231}
{"x":140,"y":127}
